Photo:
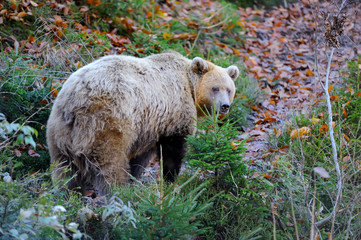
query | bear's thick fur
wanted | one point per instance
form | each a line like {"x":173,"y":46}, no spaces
{"x":112,"y":115}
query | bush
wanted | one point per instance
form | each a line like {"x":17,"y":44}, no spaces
{"x":31,"y":210}
{"x":238,"y":191}
{"x":214,"y":149}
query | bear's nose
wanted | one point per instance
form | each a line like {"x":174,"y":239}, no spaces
{"x":224,"y":108}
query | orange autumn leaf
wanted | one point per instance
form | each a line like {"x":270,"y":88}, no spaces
{"x":300,"y":132}
{"x":345,"y":136}
{"x":13,"y":6}
{"x":31,"y":39}
{"x":235,"y":145}
{"x":255,"y":108}
{"x":22,"y":14}
{"x":240,"y":23}
{"x":309,"y":73}
{"x":33,"y":66}
{"x":278,"y":24}
{"x":323,"y":128}
{"x":334,"y":98}
{"x":54,"y":92}
{"x":344,"y":112}
{"x":236,"y":51}
{"x":330,"y":88}
{"x":149,"y":14}
{"x":329,"y":235}
{"x":94,"y":2}
{"x":284,"y":149}
{"x":268,"y":177}
{"x":44,"y":101}
{"x":277,"y":132}
{"x":58,"y":20}
{"x":166,"y":35}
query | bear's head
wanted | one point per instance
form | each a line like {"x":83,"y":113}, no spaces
{"x":215,"y":86}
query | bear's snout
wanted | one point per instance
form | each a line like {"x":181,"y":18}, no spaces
{"x":224,"y":108}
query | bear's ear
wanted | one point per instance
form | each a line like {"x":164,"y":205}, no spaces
{"x":199,"y":66}
{"x":233,"y":72}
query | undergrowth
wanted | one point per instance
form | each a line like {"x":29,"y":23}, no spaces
{"x":297,"y":175}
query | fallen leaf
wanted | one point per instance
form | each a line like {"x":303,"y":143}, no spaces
{"x":322,"y":172}
{"x":32,"y":153}
{"x":323,"y":128}
{"x":309,"y":73}
{"x":315,"y":120}
{"x":166,"y":35}
{"x":284,"y":149}
{"x":334,"y":98}
{"x":17,"y":153}
{"x":330,"y":88}
{"x":346,"y":137}
{"x":300,"y":132}
{"x":22,"y":14}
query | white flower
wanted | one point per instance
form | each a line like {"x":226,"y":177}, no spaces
{"x":77,"y":235}
{"x":25,"y":214}
{"x":58,"y":209}
{"x":23,"y":236}
{"x":7,"y":177}
{"x":51,"y":221}
{"x":73,"y":226}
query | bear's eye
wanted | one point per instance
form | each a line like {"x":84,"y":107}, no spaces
{"x":215,"y":89}
{"x":229,"y":91}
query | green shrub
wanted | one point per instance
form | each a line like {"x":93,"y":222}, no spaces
{"x":30,"y":209}
{"x":165,"y":211}
{"x":238,"y":191}
{"x":214,"y":149}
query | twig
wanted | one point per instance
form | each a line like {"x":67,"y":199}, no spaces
{"x":293,"y":214}
{"x":334,"y":147}
{"x":312,"y":235}
{"x":201,"y":29}
{"x":303,"y":157}
{"x":274,"y":219}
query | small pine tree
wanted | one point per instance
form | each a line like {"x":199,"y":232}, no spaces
{"x":215,"y":149}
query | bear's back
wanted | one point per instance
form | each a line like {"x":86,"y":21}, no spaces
{"x":132,"y":88}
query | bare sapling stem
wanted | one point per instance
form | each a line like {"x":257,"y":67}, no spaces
{"x":333,"y":144}
{"x":333,"y":31}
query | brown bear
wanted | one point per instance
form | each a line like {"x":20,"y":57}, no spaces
{"x":113,"y":115}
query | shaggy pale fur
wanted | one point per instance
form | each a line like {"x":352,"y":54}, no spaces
{"x":112,"y":115}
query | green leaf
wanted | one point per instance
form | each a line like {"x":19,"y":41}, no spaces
{"x":12,"y":127}
{"x":29,"y":140}
{"x":27,"y":130}
{"x":18,"y":164}
{"x":19,"y":139}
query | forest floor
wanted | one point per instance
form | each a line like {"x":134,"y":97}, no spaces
{"x":286,"y":52}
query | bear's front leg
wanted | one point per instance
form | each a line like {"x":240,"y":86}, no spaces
{"x":172,"y":150}
{"x":140,"y":162}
